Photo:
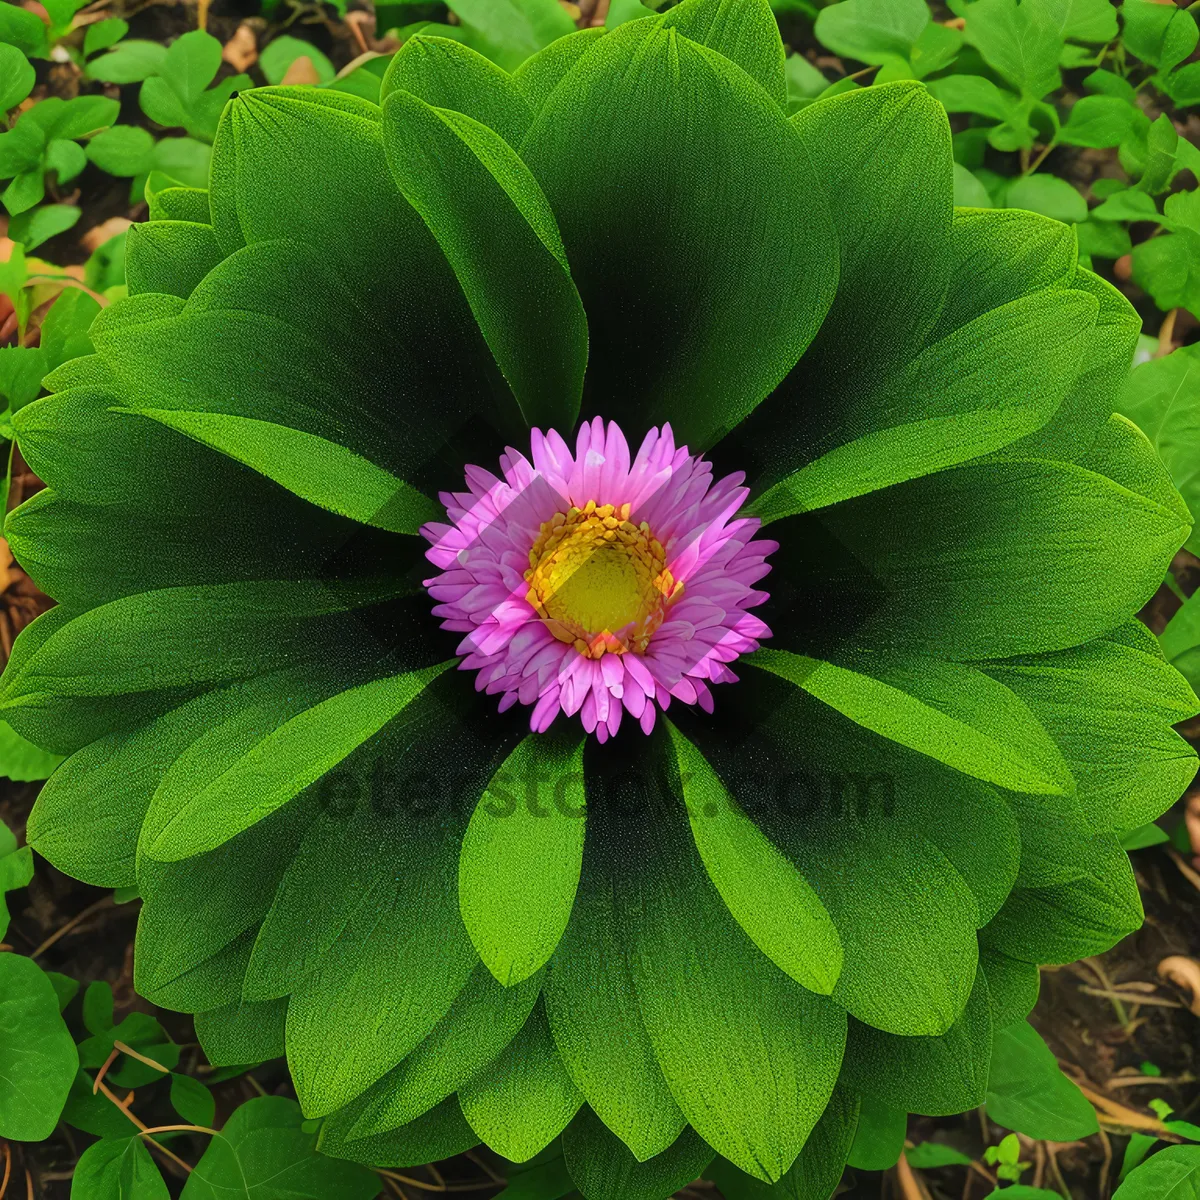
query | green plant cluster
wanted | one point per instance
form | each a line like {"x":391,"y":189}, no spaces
{"x":873,"y":297}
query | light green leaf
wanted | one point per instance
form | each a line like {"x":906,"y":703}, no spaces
{"x":1173,"y":1172}
{"x":1048,"y":195}
{"x":38,"y":1061}
{"x":318,"y":470}
{"x":1018,"y":40}
{"x":1098,"y":121}
{"x":872,"y":31}
{"x":117,"y":1169}
{"x":521,"y":857}
{"x":524,"y":1099}
{"x":1027,"y":1092}
{"x":951,"y":712}
{"x":770,"y":899}
{"x":1160,"y":34}
{"x":1127,"y":205}
{"x":509,"y":31}
{"x":21,"y":760}
{"x":263,"y":1152}
{"x":17,"y":73}
{"x":280,"y":52}
{"x":468,"y":184}
{"x":122,"y":150}
{"x":101,"y":35}
{"x":185,"y":820}
{"x":130,"y":62}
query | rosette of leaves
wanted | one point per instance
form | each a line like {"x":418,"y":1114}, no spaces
{"x":711,"y":943}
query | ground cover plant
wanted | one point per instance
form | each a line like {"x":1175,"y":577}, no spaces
{"x":577,"y":572}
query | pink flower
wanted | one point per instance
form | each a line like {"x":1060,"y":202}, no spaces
{"x":589,"y":583}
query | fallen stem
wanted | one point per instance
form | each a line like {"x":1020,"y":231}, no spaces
{"x":124,"y":1049}
{"x":74,"y":922}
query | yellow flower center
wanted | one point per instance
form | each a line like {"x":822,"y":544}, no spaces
{"x":599,"y":581}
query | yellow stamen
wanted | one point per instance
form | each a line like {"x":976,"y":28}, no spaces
{"x":599,"y":582}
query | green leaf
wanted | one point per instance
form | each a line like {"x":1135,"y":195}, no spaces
{"x":927,"y":1156}
{"x":872,"y":31}
{"x":276,"y":766}
{"x":23,"y":29}
{"x":16,"y":72}
{"x":1181,"y":641}
{"x":979,"y":389}
{"x":604,"y":1169}
{"x":39,"y":225}
{"x":1144,"y":836}
{"x":818,"y":1168}
{"x":538,"y":76}
{"x":769,"y":898}
{"x":744,"y":31}
{"x":727,"y":1044}
{"x":1168,"y":267}
{"x":320,"y":471}
{"x":1174,"y":1171}
{"x":1161,"y":35}
{"x":1020,"y":41}
{"x":21,"y":371}
{"x":482,"y":1021}
{"x":521,"y":857}
{"x":1162,"y":397}
{"x":951,"y":712}
{"x":1102,"y":239}
{"x":21,"y":760}
{"x":130,"y":62}
{"x":879,"y":1138}
{"x":523,"y":1099}
{"x":655,"y":308}
{"x":969,"y":191}
{"x":122,"y":150}
{"x":468,"y":185}
{"x":1048,"y":195}
{"x":117,"y":1169}
{"x":447,"y":74}
{"x":280,"y":52}
{"x":37,"y":1054}
{"x":1027,"y":1092}
{"x":192,"y":1100}
{"x":509,"y":31}
{"x":597,"y":1025}
{"x":1098,"y":121}
{"x":264,"y":1153}
{"x":101,"y":35}
{"x":16,"y":870}
{"x":1127,"y":205}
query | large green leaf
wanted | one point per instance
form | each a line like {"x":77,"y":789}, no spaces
{"x":872,"y":31}
{"x":728,"y":1044}
{"x":1174,"y":1171}
{"x":1110,"y":706}
{"x":521,"y":857}
{"x":483,"y":1019}
{"x":242,"y":779}
{"x":1027,"y":1092}
{"x":880,"y":150}
{"x":686,"y":323}
{"x":951,"y":712}
{"x":524,"y":1099}
{"x":981,"y":388}
{"x":604,"y":1169}
{"x":37,"y":1054}
{"x":447,"y":74}
{"x":541,"y":73}
{"x":598,"y":1027}
{"x":744,"y":31}
{"x":1068,"y":921}
{"x":264,"y":1152}
{"x":935,"y":1076}
{"x":318,"y":470}
{"x":496,"y":229}
{"x":816,"y":1172}
{"x":508,"y":31}
{"x":1162,"y":396}
{"x":1021,"y":41}
{"x":118,"y":1169}
{"x":770,"y":899}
